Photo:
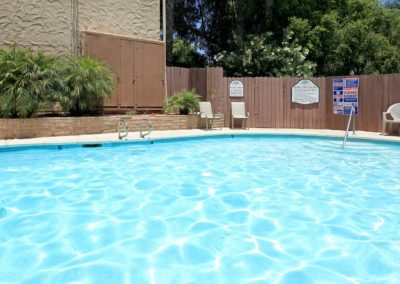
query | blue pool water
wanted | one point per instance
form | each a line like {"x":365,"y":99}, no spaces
{"x":221,"y":210}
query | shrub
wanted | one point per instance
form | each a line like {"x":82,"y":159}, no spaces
{"x":131,"y":112}
{"x":87,"y":82}
{"x":29,"y":81}
{"x":25,"y":81}
{"x":184,"y":102}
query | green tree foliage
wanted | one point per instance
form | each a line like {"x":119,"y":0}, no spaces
{"x":341,"y":36}
{"x":26,"y":80}
{"x":392,"y":4}
{"x":347,"y":36}
{"x":185,"y":54}
{"x":213,"y":25}
{"x":257,"y":56}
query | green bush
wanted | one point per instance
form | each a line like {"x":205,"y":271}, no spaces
{"x":25,"y":81}
{"x":29,"y":81}
{"x":86,"y":82}
{"x":184,"y":102}
{"x":131,"y":112}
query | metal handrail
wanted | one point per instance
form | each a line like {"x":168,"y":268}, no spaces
{"x":348,"y":126}
{"x":119,"y":129}
{"x":142,"y":135}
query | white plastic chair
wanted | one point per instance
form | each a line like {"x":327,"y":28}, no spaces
{"x":394,"y":111}
{"x":238,"y":111}
{"x":207,"y":114}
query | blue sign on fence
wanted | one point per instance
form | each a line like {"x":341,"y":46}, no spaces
{"x":345,"y":95}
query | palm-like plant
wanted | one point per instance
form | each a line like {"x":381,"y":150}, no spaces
{"x":88,"y":82}
{"x":25,"y":81}
{"x":184,"y":102}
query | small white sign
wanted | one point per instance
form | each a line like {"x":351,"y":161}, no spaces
{"x":305,"y":92}
{"x":236,"y":89}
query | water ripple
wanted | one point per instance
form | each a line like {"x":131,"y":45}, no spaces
{"x":214,"y":211}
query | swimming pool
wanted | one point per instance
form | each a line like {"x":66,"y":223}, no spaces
{"x":264,"y":209}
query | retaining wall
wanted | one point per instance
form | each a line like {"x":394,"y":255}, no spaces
{"x":65,"y":126}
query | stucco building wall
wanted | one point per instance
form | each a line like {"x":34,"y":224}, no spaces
{"x":140,"y":18}
{"x":36,"y":23}
{"x":49,"y":24}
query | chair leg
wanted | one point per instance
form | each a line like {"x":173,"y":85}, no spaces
{"x":390,"y":128}
{"x":212,"y":121}
{"x":232,"y":123}
{"x":206,"y":123}
{"x":383,"y":126}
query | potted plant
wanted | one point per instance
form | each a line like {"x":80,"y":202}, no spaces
{"x":184,"y":102}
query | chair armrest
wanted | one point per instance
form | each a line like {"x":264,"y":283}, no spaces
{"x":385,"y":116}
{"x":202,"y":115}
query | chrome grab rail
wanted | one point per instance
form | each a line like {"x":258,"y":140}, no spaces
{"x":142,"y":135}
{"x":119,"y":129}
{"x":348,"y":126}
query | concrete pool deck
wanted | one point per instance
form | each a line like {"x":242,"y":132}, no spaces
{"x":109,"y":137}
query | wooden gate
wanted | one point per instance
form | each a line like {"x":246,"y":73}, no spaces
{"x":139,"y":65}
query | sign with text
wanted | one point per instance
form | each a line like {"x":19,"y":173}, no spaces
{"x":305,"y":92}
{"x":236,"y":89}
{"x":345,"y":95}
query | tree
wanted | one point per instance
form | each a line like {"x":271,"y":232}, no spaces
{"x":341,"y":36}
{"x":214,"y":25}
{"x":169,"y":30}
{"x":185,"y":54}
{"x":392,"y":4}
{"x":257,"y":56}
{"x":358,"y":36}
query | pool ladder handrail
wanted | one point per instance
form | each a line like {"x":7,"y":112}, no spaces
{"x":348,"y":126}
{"x":119,"y":128}
{"x":142,"y":135}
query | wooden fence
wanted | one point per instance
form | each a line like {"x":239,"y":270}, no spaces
{"x":269,"y":99}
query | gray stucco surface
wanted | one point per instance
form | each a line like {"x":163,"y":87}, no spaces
{"x":36,"y":23}
{"x":47,"y":24}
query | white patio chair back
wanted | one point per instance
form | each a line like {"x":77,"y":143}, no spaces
{"x":207,"y":114}
{"x":394,"y":111}
{"x":205,"y":108}
{"x":238,"y":109}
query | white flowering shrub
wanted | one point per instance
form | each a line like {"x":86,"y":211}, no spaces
{"x":259,"y":56}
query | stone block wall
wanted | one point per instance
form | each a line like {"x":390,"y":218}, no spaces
{"x":65,"y":126}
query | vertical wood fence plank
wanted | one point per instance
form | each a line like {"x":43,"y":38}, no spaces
{"x":250,"y":107}
{"x":281,"y":95}
{"x":269,"y":99}
{"x":294,"y":108}
{"x":320,"y":113}
{"x":256,"y":103}
{"x":267,"y":103}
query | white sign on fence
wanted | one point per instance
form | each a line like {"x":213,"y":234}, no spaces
{"x":236,"y":89}
{"x":305,"y":92}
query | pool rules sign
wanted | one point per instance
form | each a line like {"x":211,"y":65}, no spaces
{"x":305,"y":92}
{"x":345,"y":95}
{"x":236,"y":89}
